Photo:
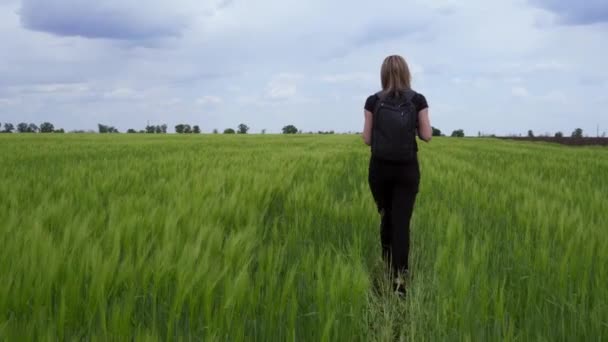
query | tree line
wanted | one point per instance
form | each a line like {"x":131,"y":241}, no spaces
{"x":47,"y":127}
{"x":181,"y":128}
{"x":459,"y":133}
{"x":23,"y":127}
{"x":577,"y":133}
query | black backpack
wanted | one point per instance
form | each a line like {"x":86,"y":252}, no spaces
{"x":394,"y":127}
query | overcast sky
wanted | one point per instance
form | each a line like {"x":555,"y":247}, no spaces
{"x":492,"y":66}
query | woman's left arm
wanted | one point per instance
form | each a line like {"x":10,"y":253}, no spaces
{"x":425,"y":131}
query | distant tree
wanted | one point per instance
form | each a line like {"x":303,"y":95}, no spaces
{"x":47,"y":127}
{"x":559,"y":135}
{"x":61,"y":130}
{"x":158,"y":129}
{"x":530,"y":134}
{"x":32,"y":128}
{"x":150,"y":129}
{"x":215,"y":131}
{"x":459,"y":133}
{"x":141,"y":131}
{"x":131,"y":131}
{"x":106,"y":129}
{"x":22,"y":127}
{"x":8,"y":128}
{"x":180,"y":128}
{"x":163,"y":128}
{"x":436,"y":132}
{"x":578,"y":133}
{"x":229,"y":131}
{"x":242,"y":129}
{"x":290,"y":129}
{"x":187,"y":129}
{"x":263,"y":131}
{"x":196,"y":129}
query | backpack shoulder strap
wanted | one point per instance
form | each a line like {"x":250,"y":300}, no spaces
{"x":410,"y":94}
{"x":381,"y":96}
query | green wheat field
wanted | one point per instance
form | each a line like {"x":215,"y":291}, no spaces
{"x":276,"y":238}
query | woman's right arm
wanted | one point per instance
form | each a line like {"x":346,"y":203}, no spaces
{"x":425,"y":131}
{"x":367,"y":128}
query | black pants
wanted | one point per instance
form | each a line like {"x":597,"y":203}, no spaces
{"x":394,"y":187}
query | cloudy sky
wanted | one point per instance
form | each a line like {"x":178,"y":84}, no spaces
{"x":492,"y":66}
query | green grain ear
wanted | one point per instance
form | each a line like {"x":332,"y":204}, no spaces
{"x":275,"y":238}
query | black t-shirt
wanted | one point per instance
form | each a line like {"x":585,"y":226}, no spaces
{"x":419,"y":101}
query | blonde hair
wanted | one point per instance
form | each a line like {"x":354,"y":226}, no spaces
{"x":395,"y":75}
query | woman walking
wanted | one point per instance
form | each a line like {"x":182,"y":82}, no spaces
{"x":393,"y":118}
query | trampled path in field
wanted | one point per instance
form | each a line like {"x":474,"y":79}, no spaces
{"x":274,"y":238}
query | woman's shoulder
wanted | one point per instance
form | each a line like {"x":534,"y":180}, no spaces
{"x":417,"y":95}
{"x":419,"y":101}
{"x":370,"y":103}
{"x":374,"y":97}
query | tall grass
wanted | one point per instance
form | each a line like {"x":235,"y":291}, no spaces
{"x":276,"y":238}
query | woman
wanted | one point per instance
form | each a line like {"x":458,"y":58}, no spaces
{"x":393,"y":118}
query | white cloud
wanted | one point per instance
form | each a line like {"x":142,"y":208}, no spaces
{"x":514,"y":79}
{"x":416,"y":69}
{"x":519,"y":92}
{"x":548,"y":66}
{"x":209,"y":100}
{"x":51,"y":88}
{"x":8,"y":102}
{"x":457,"y":80}
{"x":556,"y":97}
{"x":281,"y":91}
{"x":283,"y":86}
{"x":474,"y":82}
{"x":348,"y":77}
{"x":123,"y":93}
